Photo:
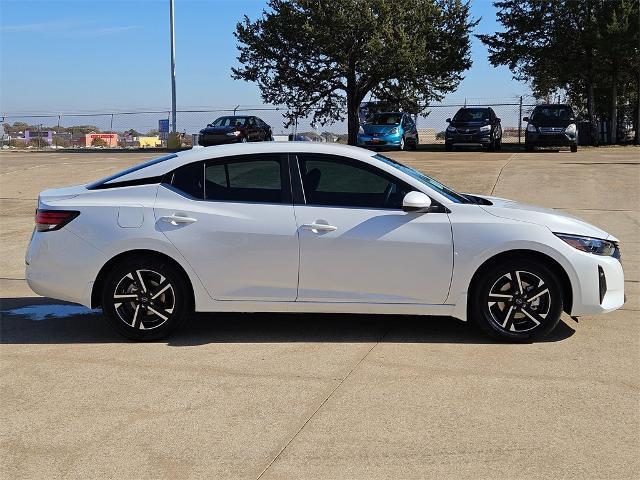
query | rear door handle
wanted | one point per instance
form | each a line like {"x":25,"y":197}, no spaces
{"x":319,"y":227}
{"x":178,"y":219}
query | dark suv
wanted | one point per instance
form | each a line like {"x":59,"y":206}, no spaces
{"x":474,"y":126}
{"x":551,"y":126}
{"x":233,"y":129}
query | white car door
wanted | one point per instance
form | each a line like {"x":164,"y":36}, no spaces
{"x":232,"y":219}
{"x":356,"y":243}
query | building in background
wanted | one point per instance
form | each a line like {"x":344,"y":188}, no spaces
{"x":43,"y":135}
{"x":148,"y":142}
{"x":111,"y":139}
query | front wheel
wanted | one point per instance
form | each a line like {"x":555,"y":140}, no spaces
{"x":145,"y":299}
{"x":518,"y":300}
{"x":574,"y":148}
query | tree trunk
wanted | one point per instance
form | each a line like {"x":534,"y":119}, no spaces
{"x":614,"y":106}
{"x":593,"y":124}
{"x":637,"y":112}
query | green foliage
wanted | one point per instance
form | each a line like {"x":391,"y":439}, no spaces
{"x":320,"y":58}
{"x":37,"y":143}
{"x":589,"y":49}
{"x":19,"y":144}
{"x":99,"y":142}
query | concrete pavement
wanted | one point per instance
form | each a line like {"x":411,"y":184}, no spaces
{"x":335,"y":396}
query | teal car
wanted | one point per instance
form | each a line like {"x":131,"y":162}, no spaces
{"x":389,"y":130}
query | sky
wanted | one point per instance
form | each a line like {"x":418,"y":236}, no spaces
{"x":113,"y":55}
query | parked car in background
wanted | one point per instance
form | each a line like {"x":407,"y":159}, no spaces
{"x":389,"y":129}
{"x":235,"y":129}
{"x":312,"y":227}
{"x":474,"y":126}
{"x":551,"y":125}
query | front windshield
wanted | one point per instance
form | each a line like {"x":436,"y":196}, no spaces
{"x":551,"y":113}
{"x":426,"y":180}
{"x":230,"y":121}
{"x":471,"y":115}
{"x":385,"y":119}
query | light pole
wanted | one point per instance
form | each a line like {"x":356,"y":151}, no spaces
{"x":173,"y":70}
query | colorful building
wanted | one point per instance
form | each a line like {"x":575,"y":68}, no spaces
{"x":149,"y":142}
{"x":110,"y":138}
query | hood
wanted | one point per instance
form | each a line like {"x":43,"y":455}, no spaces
{"x":552,"y":122}
{"x":470,"y":124}
{"x":224,"y":129}
{"x":554,"y":220}
{"x":370,"y":128}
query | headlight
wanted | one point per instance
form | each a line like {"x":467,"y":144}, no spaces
{"x":485,"y":128}
{"x":237,"y":133}
{"x":571,"y":129}
{"x":531,"y":128}
{"x":451,"y":129}
{"x":360,"y":130}
{"x":597,"y":246}
{"x":393,"y":131}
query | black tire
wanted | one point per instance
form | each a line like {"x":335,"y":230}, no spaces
{"x":574,"y":148}
{"x":414,"y":144}
{"x":499,"y":144}
{"x":499,"y":308}
{"x":139,"y":292}
{"x":448,"y":146}
{"x":492,"y":146}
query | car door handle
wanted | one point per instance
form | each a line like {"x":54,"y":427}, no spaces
{"x":319,"y":227}
{"x":178,"y":219}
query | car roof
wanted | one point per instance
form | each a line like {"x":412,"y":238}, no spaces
{"x":544,"y":105}
{"x":159,"y":166}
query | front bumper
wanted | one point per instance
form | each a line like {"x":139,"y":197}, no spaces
{"x":478,"y":138}
{"x":593,"y":272}
{"x":379,"y":140}
{"x":550,"y":139}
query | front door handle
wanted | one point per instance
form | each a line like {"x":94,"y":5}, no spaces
{"x":178,"y":219}
{"x":319,"y":227}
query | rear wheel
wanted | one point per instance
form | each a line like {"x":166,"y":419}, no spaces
{"x":517,"y":300}
{"x":146,"y":299}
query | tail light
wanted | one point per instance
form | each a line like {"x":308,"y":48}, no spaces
{"x":48,"y":220}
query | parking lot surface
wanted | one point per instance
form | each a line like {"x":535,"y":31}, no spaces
{"x":325,"y":396}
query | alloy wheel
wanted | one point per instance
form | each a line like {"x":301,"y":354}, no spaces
{"x":144,"y":299}
{"x":519,"y":301}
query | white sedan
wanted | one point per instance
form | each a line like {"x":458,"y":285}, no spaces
{"x":301,"y":227}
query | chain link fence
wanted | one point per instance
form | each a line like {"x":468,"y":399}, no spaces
{"x":141,"y":129}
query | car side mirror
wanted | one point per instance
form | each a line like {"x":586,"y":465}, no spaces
{"x":525,"y":119}
{"x":416,"y":202}
{"x":448,"y":120}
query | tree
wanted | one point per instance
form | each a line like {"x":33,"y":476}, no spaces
{"x":577,"y":46}
{"x":99,"y":142}
{"x":320,"y":58}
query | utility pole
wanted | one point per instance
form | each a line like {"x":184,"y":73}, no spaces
{"x":173,"y":69}
{"x":520,"y":121}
